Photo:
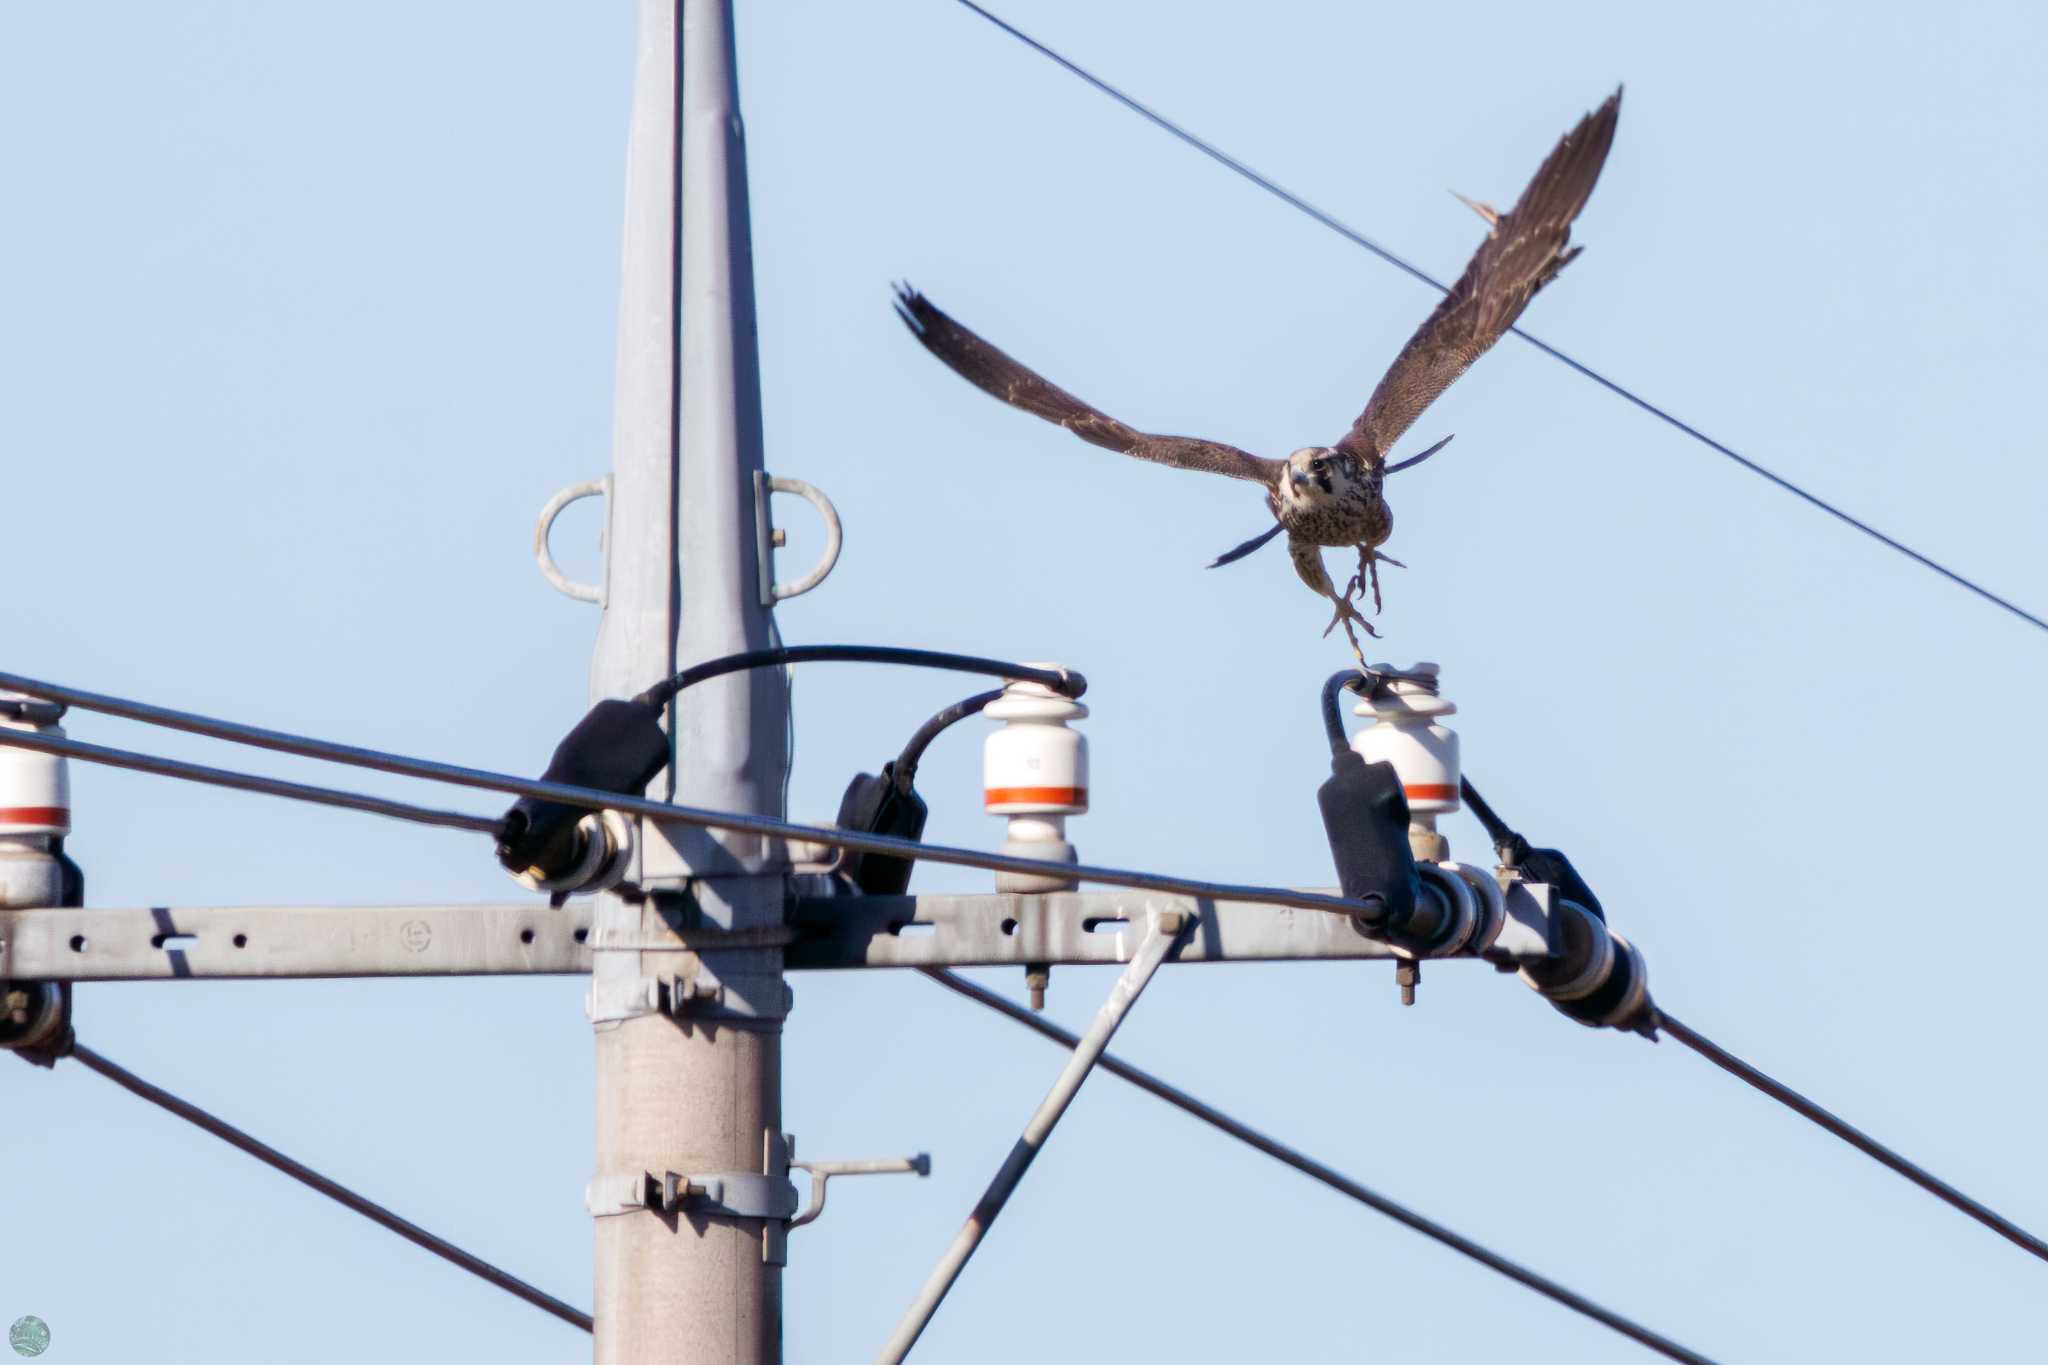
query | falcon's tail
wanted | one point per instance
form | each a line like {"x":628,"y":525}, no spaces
{"x":1232,"y":556}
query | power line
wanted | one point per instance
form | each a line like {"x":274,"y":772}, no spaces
{"x":341,"y":1194}
{"x":1316,"y":1170}
{"x":1357,"y":238}
{"x":158,"y":766}
{"x":1367,"y":911}
{"x":1863,"y":1142}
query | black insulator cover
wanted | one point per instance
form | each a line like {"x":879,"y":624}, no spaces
{"x":876,"y":805}
{"x":618,"y":747}
{"x":1365,"y":815}
{"x":1555,"y":868}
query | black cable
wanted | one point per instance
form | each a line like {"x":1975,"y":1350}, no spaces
{"x":1333,"y":717}
{"x":248,"y":782}
{"x":1496,"y":828}
{"x":1370,"y":913}
{"x":905,"y":768}
{"x":1358,"y":238}
{"x":1316,"y":1170}
{"x":1863,"y":1142}
{"x":341,"y":1194}
{"x":1064,"y":681}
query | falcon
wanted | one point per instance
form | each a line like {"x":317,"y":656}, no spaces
{"x":1334,"y":496}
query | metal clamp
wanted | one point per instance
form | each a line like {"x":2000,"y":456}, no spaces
{"x":699,"y":993}
{"x":568,"y":587}
{"x":767,"y":1194}
{"x":767,"y":539}
{"x":727,"y":1194}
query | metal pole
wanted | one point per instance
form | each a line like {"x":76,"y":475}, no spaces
{"x":700,"y":1092}
{"x":1152,"y":951}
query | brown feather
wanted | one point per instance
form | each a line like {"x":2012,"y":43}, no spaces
{"x":996,"y":374}
{"x":1523,"y":252}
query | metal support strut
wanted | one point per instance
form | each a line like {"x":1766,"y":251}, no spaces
{"x":1166,"y":926}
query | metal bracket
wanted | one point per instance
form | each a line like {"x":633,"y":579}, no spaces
{"x":768,"y":1194}
{"x":695,"y":994}
{"x":822,"y":1171}
{"x":728,"y":1194}
{"x":724,"y":1194}
{"x":767,"y":539}
{"x":568,"y":587}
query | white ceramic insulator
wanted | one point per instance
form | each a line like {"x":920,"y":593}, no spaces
{"x":1406,"y":733}
{"x":35,"y":788}
{"x":1034,"y":764}
{"x":1035,"y":771}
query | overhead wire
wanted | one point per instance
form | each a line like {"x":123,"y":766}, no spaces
{"x":1357,"y":238}
{"x":1367,"y":912}
{"x":1855,"y":1137}
{"x":1316,"y":1170}
{"x":339,"y":1193}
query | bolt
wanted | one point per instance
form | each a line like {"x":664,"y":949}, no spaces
{"x":1036,"y":977}
{"x":17,"y":1000}
{"x":1407,"y":974}
{"x":778,"y":538}
{"x":699,"y":990}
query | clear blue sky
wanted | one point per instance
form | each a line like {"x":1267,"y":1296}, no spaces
{"x":308,"y":308}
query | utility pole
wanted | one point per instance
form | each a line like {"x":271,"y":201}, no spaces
{"x":689,"y":1045}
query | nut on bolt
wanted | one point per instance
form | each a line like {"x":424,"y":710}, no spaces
{"x":1037,"y":977}
{"x":1407,"y":973}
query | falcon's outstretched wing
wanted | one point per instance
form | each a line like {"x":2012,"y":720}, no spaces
{"x":1523,"y":252}
{"x":994,"y":373}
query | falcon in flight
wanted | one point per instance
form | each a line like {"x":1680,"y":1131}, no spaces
{"x":1333,"y":496}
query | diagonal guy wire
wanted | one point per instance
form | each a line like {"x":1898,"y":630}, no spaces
{"x":1357,"y":238}
{"x":1316,"y":1170}
{"x":1861,"y":1141}
{"x":339,"y":1193}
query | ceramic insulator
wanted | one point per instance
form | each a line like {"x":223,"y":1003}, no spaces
{"x":1406,"y":734}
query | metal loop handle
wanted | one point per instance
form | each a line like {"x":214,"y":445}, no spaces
{"x":563,"y":584}
{"x":766,"y":539}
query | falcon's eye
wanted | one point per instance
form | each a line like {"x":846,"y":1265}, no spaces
{"x":1318,"y":464}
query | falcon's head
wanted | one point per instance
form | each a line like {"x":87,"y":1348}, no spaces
{"x":1316,"y":474}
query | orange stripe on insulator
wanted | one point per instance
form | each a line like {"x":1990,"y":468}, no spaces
{"x":35,"y":815}
{"x":1431,"y":791}
{"x":1035,"y":796}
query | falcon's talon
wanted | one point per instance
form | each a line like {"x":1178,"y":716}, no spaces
{"x":1369,"y":571}
{"x":1345,"y":616}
